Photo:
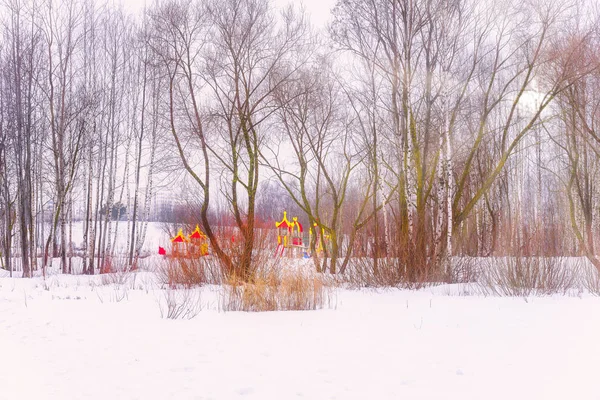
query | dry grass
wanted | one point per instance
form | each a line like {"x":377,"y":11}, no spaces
{"x":115,"y":278}
{"x":116,"y":295}
{"x":119,"y":272}
{"x":273,"y":290}
{"x":189,"y":272}
{"x":180,"y":304}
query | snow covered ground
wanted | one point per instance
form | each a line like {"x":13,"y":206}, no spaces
{"x":155,"y":235}
{"x":76,"y":337}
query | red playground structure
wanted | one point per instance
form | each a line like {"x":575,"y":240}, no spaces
{"x":290,"y":241}
{"x":193,"y":246}
{"x":289,"y":236}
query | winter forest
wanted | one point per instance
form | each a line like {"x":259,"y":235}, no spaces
{"x":412,"y":188}
{"x":411,"y":131}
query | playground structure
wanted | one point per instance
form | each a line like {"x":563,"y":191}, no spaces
{"x":193,"y":246}
{"x":289,"y":237}
{"x":320,"y":234}
{"x":290,"y":241}
{"x":198,"y":243}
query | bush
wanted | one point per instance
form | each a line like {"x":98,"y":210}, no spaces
{"x":591,"y":279}
{"x":524,"y":276}
{"x":390,"y":272}
{"x":464,"y":270}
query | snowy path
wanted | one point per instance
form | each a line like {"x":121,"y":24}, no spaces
{"x":67,"y":344}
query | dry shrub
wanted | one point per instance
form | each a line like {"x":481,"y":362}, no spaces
{"x":114,"y":269}
{"x":120,"y":278}
{"x":361,"y":272}
{"x":274,"y":290}
{"x":464,"y":270}
{"x":189,"y":272}
{"x":180,"y":304}
{"x":196,"y":271}
{"x":232,"y":243}
{"x":115,"y":278}
{"x":116,"y":294}
{"x":107,"y":265}
{"x":590,"y":279}
{"x":390,"y":272}
{"x":524,"y":276}
{"x":114,"y":264}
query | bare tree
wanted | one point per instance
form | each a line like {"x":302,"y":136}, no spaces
{"x":177,"y":41}
{"x":66,"y":101}
{"x":578,"y":137}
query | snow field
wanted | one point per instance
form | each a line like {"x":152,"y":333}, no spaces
{"x":77,"y":337}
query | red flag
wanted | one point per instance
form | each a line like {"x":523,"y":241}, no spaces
{"x":162,"y":251}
